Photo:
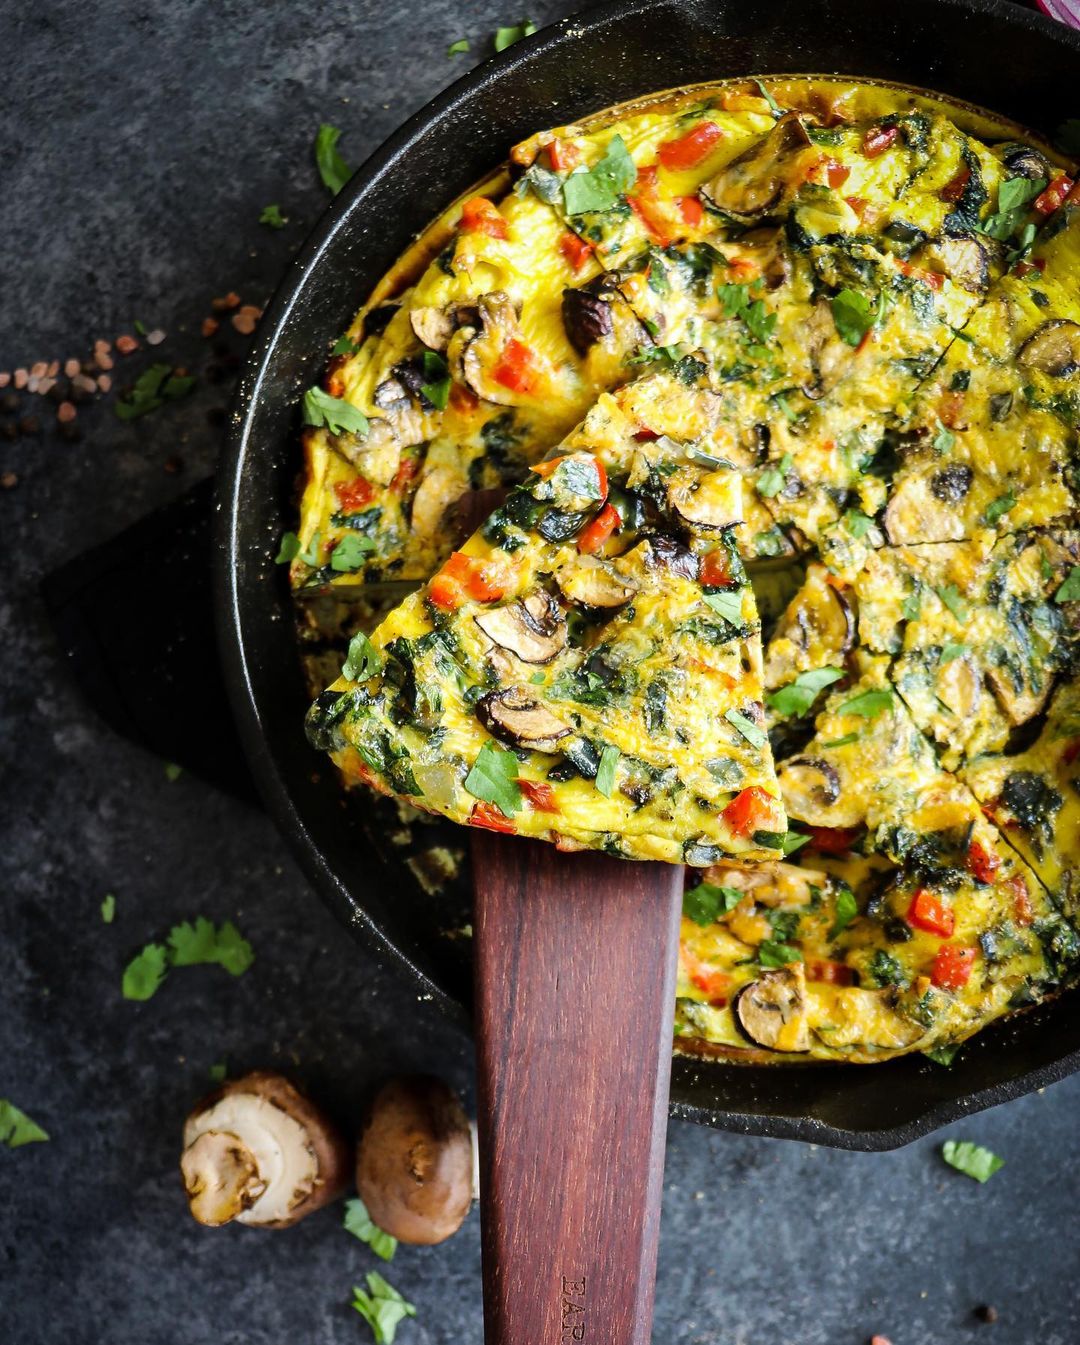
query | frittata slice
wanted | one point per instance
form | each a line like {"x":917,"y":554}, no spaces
{"x":586,"y":669}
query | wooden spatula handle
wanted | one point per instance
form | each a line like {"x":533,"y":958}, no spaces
{"x":575,"y":985}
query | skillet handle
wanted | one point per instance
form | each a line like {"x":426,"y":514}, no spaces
{"x":575,"y":961}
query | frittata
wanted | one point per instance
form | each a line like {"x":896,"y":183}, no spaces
{"x":776,"y":389}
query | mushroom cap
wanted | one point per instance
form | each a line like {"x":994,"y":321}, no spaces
{"x":414,"y":1165}
{"x":246,"y":1138}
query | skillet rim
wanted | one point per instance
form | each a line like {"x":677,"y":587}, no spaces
{"x":238,"y":660}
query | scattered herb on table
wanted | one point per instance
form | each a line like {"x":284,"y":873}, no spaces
{"x":333,"y":169}
{"x":153,"y":388}
{"x":506,"y":37}
{"x":271,"y":215}
{"x":361,"y":1225}
{"x":108,"y":908}
{"x":382,"y":1307}
{"x":16,"y":1128}
{"x":971,"y":1159}
{"x":189,"y":944}
{"x":456,"y":48}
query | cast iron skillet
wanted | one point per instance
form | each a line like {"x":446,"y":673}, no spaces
{"x":987,"y":52}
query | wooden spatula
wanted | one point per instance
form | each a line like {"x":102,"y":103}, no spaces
{"x":575,"y":986}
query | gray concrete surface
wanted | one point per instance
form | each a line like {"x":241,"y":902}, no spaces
{"x":139,"y":143}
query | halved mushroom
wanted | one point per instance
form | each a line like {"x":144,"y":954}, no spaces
{"x":433,"y":326}
{"x":707,"y":501}
{"x":260,"y":1153}
{"x":483,"y":349}
{"x":587,"y":317}
{"x":772,"y":1009}
{"x":533,"y":628}
{"x":965,"y":258}
{"x":813,"y":793}
{"x":816,"y":630}
{"x":592,"y":583}
{"x":762,"y":176}
{"x":521,"y":720}
{"x":1053,"y":349}
{"x":771,"y":883}
{"x":1025,"y":161}
{"x":915,"y":514}
{"x":414,"y":1162}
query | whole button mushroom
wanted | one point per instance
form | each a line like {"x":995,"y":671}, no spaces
{"x":414,"y":1165}
{"x":258,"y":1152}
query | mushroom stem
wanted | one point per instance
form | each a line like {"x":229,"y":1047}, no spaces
{"x":221,"y":1178}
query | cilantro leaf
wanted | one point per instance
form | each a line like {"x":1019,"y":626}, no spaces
{"x":217,"y":1072}
{"x":971,"y":1159}
{"x":362,"y":661}
{"x":152,"y":388}
{"x":272,"y":216}
{"x":846,"y":911}
{"x":704,"y":903}
{"x":1070,"y":590}
{"x":759,"y":322}
{"x":605,"y":772}
{"x":857,"y":523}
{"x":108,"y":908}
{"x":727,"y":605}
{"x":173,"y":772}
{"x":493,"y":778}
{"x":772,"y":481}
{"x":348,"y":555}
{"x":506,"y":37}
{"x":201,"y":944}
{"x":998,"y":508}
{"x":944,"y":440}
{"x":912,"y":605}
{"x":382,"y":1307}
{"x":345,"y":345}
{"x":289,"y":548}
{"x":599,"y":187}
{"x":952,"y":651}
{"x":773,"y":954}
{"x":733,"y":298}
{"x":333,"y":169}
{"x":756,"y":737}
{"x":456,"y":48}
{"x":950,"y":596}
{"x":361,"y":1225}
{"x":854,"y":316}
{"x":1014,"y":196}
{"x":319,"y":408}
{"x":16,"y":1128}
{"x":798,"y":696}
{"x":868,"y":704}
{"x":145,"y":972}
{"x":845,"y":741}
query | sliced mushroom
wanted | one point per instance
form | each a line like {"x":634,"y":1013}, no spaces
{"x":1025,"y":161}
{"x":433,"y":326}
{"x":586,"y":317}
{"x":769,"y":884}
{"x":260,"y":1153}
{"x":708,"y":501}
{"x":414,"y":1163}
{"x":762,"y":176}
{"x":960,"y":687}
{"x":816,"y":630}
{"x":1053,"y":349}
{"x":809,"y":783}
{"x":521,"y":720}
{"x":391,"y":395}
{"x":1022,"y":703}
{"x":914,"y":514}
{"x":665,"y":553}
{"x":772,"y":1009}
{"x":964,"y":258}
{"x":483,"y":349}
{"x":533,"y":628}
{"x":592,"y":583}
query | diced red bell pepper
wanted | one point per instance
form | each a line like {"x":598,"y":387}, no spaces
{"x":929,"y":912}
{"x":405,"y":473}
{"x":467,"y":576}
{"x":982,"y":864}
{"x":934,"y":279}
{"x":576,"y":251}
{"x":463,"y":399}
{"x":481,"y":216}
{"x":515,"y":368}
{"x":878,"y":139}
{"x":593,"y":536}
{"x":353,"y":495}
{"x":715,"y":570}
{"x":832,"y":973}
{"x":1023,"y":910}
{"x":1071,"y":752}
{"x":751,"y":810}
{"x":491,"y":817}
{"x":833,"y":840}
{"x":954,"y":188}
{"x":692,"y":211}
{"x":829,"y":172}
{"x":540,"y":795}
{"x":647,"y":208}
{"x":710,"y":980}
{"x":1051,"y":199}
{"x":952,"y":967}
{"x":563,"y":155}
{"x":690,"y":149}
